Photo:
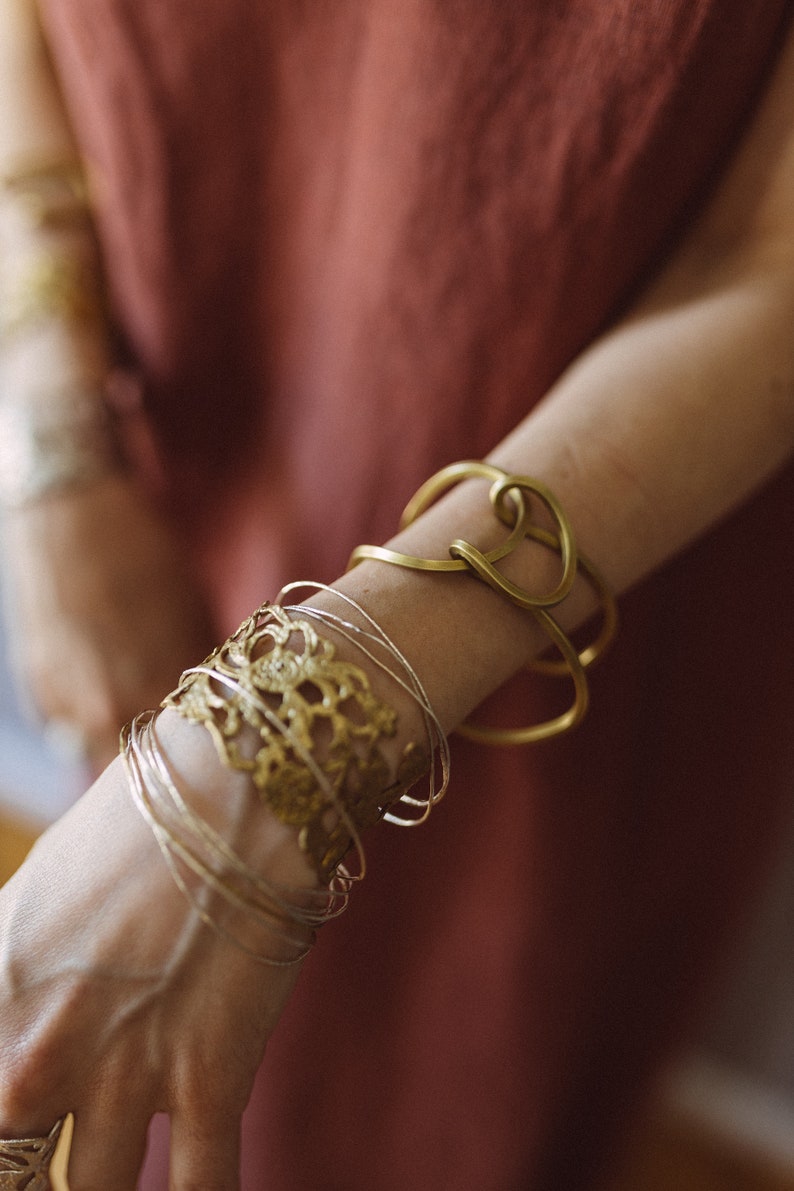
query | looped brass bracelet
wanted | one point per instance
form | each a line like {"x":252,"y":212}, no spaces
{"x":462,"y":553}
{"x":510,"y":497}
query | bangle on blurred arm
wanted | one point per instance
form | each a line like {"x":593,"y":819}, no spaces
{"x":52,"y":307}
{"x":306,"y":728}
{"x":48,"y":286}
{"x":49,"y":268}
{"x":52,"y":441}
{"x":48,"y":192}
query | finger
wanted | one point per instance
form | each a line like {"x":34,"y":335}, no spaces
{"x":205,"y":1152}
{"x":107,"y":1151}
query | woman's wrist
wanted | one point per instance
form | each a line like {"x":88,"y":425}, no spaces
{"x":462,"y":638}
{"x":263,"y":769}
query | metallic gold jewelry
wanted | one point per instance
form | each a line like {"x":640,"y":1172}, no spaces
{"x":50,"y":441}
{"x":253,"y":700}
{"x":261,"y":679}
{"x":51,"y":192}
{"x":370,"y":639}
{"x":508,"y":496}
{"x":25,"y":1162}
{"x":504,"y":489}
{"x":52,"y":285}
{"x":50,"y":267}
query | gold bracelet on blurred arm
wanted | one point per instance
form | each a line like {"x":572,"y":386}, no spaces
{"x":52,"y":437}
{"x":54,"y":441}
{"x":47,"y":192}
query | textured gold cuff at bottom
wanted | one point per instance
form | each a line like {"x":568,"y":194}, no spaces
{"x":25,"y":1162}
{"x":307,"y":729}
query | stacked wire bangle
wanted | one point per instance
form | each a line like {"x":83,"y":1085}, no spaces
{"x":374,"y":643}
{"x":190,"y":846}
{"x":227,"y":696}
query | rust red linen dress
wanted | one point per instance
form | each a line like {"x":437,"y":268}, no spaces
{"x":350,"y":241}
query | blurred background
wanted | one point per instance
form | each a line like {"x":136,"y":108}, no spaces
{"x":722,"y":1118}
{"x":38,"y":777}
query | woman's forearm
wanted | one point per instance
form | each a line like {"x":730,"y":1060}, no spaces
{"x":668,"y":423}
{"x":656,"y":432}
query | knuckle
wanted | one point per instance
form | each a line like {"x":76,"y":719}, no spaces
{"x":200,"y":1101}
{"x":33,"y":1064}
{"x":38,"y":1066}
{"x":14,"y":1104}
{"x":23,"y":1089}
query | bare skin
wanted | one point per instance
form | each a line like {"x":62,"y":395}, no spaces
{"x":104,"y":615}
{"x":96,"y":565}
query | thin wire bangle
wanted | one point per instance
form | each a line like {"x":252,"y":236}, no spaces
{"x":170,"y":847}
{"x":413,"y":686}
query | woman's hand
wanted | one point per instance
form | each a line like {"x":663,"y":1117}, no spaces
{"x":102,"y":614}
{"x":117,"y":1002}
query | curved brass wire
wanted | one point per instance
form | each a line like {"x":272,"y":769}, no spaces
{"x":429,"y":493}
{"x":608,"y":605}
{"x":503,"y":486}
{"x":548,"y":728}
{"x":508,"y":496}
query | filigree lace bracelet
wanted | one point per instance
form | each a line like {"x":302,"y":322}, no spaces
{"x":307,"y":729}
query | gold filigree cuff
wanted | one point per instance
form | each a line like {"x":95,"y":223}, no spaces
{"x":275,"y":696}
